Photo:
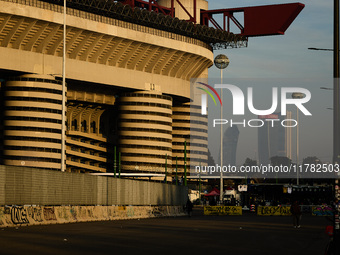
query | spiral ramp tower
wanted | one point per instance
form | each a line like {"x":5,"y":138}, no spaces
{"x":145,"y":131}
{"x":32,"y":119}
{"x":190,"y":133}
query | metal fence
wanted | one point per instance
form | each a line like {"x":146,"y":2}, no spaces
{"x":31,"y":186}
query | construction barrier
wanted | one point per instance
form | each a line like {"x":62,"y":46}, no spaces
{"x":273,"y":211}
{"x":222,"y":210}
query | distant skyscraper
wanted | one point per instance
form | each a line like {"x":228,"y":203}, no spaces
{"x":273,"y":138}
{"x":230,"y":139}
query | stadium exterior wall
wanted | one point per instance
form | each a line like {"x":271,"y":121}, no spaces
{"x":109,"y":64}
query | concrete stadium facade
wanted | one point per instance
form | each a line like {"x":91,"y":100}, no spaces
{"x":128,"y":86}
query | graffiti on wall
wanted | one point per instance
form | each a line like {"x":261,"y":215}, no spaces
{"x":33,"y":215}
{"x":323,"y":210}
{"x":73,"y":212}
{"x":35,"y":212}
{"x":49,"y":214}
{"x":1,"y":216}
{"x":159,"y":211}
{"x":19,"y":215}
{"x":130,"y":212}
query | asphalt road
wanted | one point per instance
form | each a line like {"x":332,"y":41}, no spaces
{"x":246,"y":234}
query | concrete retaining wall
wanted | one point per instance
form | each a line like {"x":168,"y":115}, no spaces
{"x":11,"y":216}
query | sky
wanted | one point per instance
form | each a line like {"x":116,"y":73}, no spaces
{"x":284,"y":60}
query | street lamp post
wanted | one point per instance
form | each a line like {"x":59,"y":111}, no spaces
{"x":295,"y":96}
{"x":336,"y":142}
{"x":63,"y":107}
{"x":336,"y":124}
{"x":221,"y":62}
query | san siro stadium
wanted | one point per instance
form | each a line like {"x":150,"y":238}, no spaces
{"x":128,"y":66}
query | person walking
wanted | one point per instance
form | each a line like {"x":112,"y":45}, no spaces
{"x":296,"y":213}
{"x":189,"y":207}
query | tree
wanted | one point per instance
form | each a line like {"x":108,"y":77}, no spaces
{"x":311,"y":160}
{"x":252,"y":162}
{"x":278,"y":161}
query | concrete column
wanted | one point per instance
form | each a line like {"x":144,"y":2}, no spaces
{"x":145,"y":131}
{"x":32,"y":121}
{"x":189,"y":6}
{"x":190,"y":126}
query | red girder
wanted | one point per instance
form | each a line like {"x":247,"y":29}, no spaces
{"x":258,"y":20}
{"x":191,"y":18}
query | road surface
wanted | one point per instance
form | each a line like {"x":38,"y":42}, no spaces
{"x":246,"y":234}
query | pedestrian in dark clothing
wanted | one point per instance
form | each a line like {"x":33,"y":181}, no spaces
{"x":189,"y":207}
{"x":296,"y":212}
